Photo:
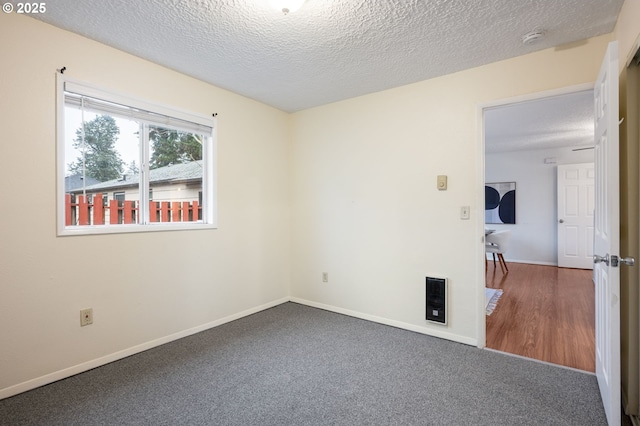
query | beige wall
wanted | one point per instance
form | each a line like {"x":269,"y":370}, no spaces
{"x":365,"y":204}
{"x":627,"y":32}
{"x":144,"y":288}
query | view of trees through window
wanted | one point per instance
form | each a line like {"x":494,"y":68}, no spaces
{"x":173,"y":147}
{"x":98,"y":155}
{"x":103,"y":169}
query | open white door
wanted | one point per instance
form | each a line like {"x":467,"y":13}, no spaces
{"x":606,"y":273}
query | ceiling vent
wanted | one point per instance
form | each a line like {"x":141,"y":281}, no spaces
{"x":533,"y":37}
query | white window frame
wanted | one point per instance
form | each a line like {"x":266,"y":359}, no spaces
{"x":209,"y":155}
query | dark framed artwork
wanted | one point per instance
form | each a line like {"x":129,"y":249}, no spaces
{"x":500,"y":202}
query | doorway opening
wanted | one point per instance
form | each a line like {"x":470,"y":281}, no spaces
{"x":545,"y":312}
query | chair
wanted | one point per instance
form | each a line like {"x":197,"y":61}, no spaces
{"x":497,"y":243}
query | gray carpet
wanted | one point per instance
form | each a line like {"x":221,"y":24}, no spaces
{"x":296,"y":365}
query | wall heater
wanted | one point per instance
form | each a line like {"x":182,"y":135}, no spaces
{"x":436,"y":300}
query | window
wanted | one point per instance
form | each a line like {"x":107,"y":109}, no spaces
{"x":126,"y":165}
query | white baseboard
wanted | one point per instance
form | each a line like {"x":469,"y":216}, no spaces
{"x":564,"y":367}
{"x":392,"y":323}
{"x":531,"y":262}
{"x":85,"y":366}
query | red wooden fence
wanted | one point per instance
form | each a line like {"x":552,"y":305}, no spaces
{"x":80,"y":211}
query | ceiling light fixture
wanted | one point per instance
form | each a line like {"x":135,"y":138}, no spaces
{"x":532,"y":37}
{"x":286,"y":6}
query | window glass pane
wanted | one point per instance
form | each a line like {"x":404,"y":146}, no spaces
{"x":101,"y":158}
{"x":175,"y":175}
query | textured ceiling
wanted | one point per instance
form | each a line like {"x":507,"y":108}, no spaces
{"x":329,"y":50}
{"x":558,"y":121}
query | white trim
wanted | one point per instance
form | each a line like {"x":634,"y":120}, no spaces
{"x":109,"y":95}
{"x":632,"y":53}
{"x":85,"y":366}
{"x":537,"y":361}
{"x":134,"y":227}
{"x":481,"y":311}
{"x":94,"y":363}
{"x":535,"y":96}
{"x":60,"y":165}
{"x":530,"y":262}
{"x":210,"y":180}
{"x":479,"y":231}
{"x":144,"y":185}
{"x":393,"y":323}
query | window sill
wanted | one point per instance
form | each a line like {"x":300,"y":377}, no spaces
{"x":127,"y":229}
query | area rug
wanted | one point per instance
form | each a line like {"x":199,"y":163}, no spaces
{"x":492,"y":296}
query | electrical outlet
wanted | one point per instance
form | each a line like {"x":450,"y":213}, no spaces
{"x":325,"y":277}
{"x":86,"y":317}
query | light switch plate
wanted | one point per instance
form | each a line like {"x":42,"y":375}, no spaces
{"x":464,"y":212}
{"x":442,"y":182}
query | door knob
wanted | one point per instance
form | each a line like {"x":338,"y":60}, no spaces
{"x":561,"y":221}
{"x":615,"y":260}
{"x":630,"y":261}
{"x":598,"y":259}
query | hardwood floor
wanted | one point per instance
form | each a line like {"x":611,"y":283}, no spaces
{"x":545,"y":313}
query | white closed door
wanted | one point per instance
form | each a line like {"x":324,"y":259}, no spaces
{"x":576,"y":205}
{"x":606,"y":273}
